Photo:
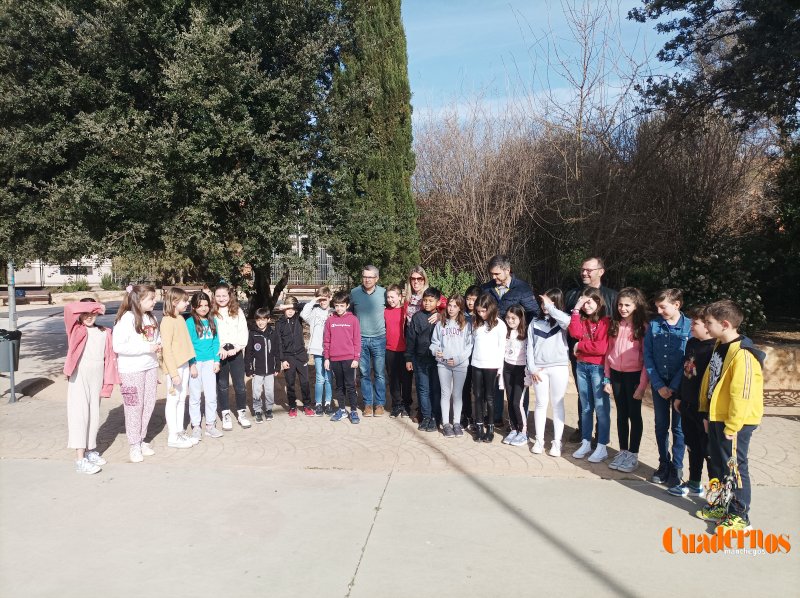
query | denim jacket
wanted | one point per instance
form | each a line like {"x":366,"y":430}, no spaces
{"x":663,"y":352}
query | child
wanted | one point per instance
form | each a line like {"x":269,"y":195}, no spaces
{"x":488,"y":349}
{"x":514,"y":375}
{"x":695,"y":362}
{"x":91,"y":368}
{"x":203,"y":369}
{"x":137,"y":342}
{"x":314,"y":313}
{"x":394,"y":315}
{"x":470,"y":297}
{"x":341,"y":348}
{"x":732,"y":401}
{"x":262,"y":360}
{"x":664,"y":346}
{"x":451,"y":345}
{"x":177,"y":351}
{"x":589,"y":327}
{"x":233,"y":335}
{"x":548,"y":364}
{"x":294,"y":358}
{"x":420,"y":361}
{"x":625,"y":374}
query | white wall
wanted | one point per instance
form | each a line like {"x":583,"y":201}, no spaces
{"x":49,"y":275}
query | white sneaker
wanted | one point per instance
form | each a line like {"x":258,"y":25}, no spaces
{"x":509,"y":437}
{"x":94,"y":458}
{"x":213,"y":432}
{"x":197,"y":433}
{"x":600,"y":454}
{"x":180,"y":442}
{"x":243,"y":421}
{"x":630,"y":464}
{"x":147,"y":450}
{"x":521,"y":439}
{"x":85,"y":466}
{"x":584,"y":449}
{"x":136,"y":454}
{"x":555,"y":448}
{"x":227,"y":422}
{"x":618,"y":460}
{"x":538,"y":446}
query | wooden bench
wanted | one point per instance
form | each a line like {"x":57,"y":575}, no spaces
{"x":30,"y":297}
{"x":305,"y":290}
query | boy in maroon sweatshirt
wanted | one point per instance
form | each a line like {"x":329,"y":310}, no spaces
{"x":341,"y":348}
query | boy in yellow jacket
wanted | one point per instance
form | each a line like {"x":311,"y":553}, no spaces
{"x":732,"y":399}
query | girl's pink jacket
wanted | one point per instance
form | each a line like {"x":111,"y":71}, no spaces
{"x":76,"y":342}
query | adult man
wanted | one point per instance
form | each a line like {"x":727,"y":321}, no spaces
{"x":367,"y":302}
{"x":592,"y":270}
{"x":507,"y":291}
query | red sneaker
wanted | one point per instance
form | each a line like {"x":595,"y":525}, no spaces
{"x":292,"y":412}
{"x":309,"y":411}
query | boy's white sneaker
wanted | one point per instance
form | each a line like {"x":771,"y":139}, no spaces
{"x":243,"y":421}
{"x":94,"y":458}
{"x":179,"y":442}
{"x":538,"y":446}
{"x":584,"y":449}
{"x":555,"y":448}
{"x":197,"y":433}
{"x":190,"y":438}
{"x":213,"y":432}
{"x":600,"y":454}
{"x":85,"y":466}
{"x":618,"y":460}
{"x":135,"y":454}
{"x":227,"y":422}
{"x":147,"y":450}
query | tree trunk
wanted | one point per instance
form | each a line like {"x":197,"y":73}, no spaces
{"x":262,"y":296}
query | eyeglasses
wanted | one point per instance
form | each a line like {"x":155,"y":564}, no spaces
{"x":416,"y":278}
{"x":590,"y":270}
{"x":368,"y":277}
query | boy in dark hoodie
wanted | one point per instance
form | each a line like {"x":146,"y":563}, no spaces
{"x":418,"y":346}
{"x":732,"y":399}
{"x":294,"y":358}
{"x":262,"y":360}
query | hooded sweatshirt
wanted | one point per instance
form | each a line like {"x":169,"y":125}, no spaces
{"x":133,"y":348}
{"x":290,"y":333}
{"x":341,"y":340}
{"x":76,"y":343}
{"x":547,"y":343}
{"x":315,"y":317}
{"x":262,"y":356}
{"x":454,"y":342}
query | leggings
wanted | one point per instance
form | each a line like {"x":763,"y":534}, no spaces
{"x":451,"y":382}
{"x":233,"y":367}
{"x":399,"y":379}
{"x":551,"y":389}
{"x":344,"y":383}
{"x":175,"y":405}
{"x":204,"y":384}
{"x":138,"y":399}
{"x":483,"y":384}
{"x":514,"y":381}
{"x":624,"y":384}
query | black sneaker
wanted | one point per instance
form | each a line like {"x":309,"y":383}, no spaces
{"x":259,"y":418}
{"x":268,"y":415}
{"x":405,"y":413}
{"x":458,"y":430}
{"x":489,"y":435}
{"x":432,"y":425}
{"x":395,"y":412}
{"x":329,"y":410}
{"x":423,"y":425}
{"x":448,"y":431}
{"x":674,"y":477}
{"x":661,"y":474}
{"x":319,"y":410}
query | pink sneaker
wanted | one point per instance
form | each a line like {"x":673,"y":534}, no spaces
{"x":292,"y":412}
{"x":309,"y":411}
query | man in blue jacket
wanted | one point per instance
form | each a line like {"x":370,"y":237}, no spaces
{"x":507,"y":291}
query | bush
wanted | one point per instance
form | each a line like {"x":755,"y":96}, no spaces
{"x":448,"y":281}
{"x":107,"y":283}
{"x":79,"y":284}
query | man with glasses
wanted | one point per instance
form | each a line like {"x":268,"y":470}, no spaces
{"x":592,"y":270}
{"x":367,"y":302}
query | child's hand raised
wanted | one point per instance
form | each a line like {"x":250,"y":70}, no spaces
{"x":545,"y":300}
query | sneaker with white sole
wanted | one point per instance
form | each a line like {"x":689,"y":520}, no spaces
{"x":146,"y":449}
{"x":584,"y":449}
{"x":86,"y":466}
{"x":135,"y":454}
{"x":521,"y":439}
{"x":630,"y":464}
{"x":618,"y":460}
{"x":190,"y":438}
{"x":197,"y":433}
{"x":180,"y":442}
{"x":94,"y":458}
{"x":555,"y":448}
{"x":538,"y":446}
{"x":211,"y":430}
{"x":599,"y":455}
{"x":243,"y":421}
{"x":227,"y":421}
{"x":509,"y":437}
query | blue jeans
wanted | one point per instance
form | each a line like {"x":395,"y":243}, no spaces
{"x":373,"y":357}
{"x":428,"y":388}
{"x":322,"y":381}
{"x":593,"y":399}
{"x":663,"y":411}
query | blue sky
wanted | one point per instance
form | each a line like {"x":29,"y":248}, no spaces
{"x":460,"y":49}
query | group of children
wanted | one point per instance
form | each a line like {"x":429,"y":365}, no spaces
{"x":705,"y":378}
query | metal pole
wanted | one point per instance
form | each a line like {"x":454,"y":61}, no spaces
{"x":12,"y":325}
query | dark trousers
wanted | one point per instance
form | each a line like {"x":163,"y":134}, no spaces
{"x":344,"y":381}
{"x":514,"y":381}
{"x":720,"y":450}
{"x":696,"y":440}
{"x":466,"y":398}
{"x":484,"y":382}
{"x":298,"y":368}
{"x":399,"y":380}
{"x":428,"y":389}
{"x":232,"y":367}
{"x":629,"y":410}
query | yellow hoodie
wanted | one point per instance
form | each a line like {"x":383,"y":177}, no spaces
{"x":738,"y":397}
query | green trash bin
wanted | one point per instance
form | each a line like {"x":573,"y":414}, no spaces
{"x":9,"y":349}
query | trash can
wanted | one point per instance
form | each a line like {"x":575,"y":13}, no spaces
{"x":9,"y":349}
{"x":20,"y":293}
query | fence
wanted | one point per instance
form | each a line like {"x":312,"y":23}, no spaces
{"x":319,"y":271}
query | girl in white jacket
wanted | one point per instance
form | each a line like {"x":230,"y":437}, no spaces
{"x":488,"y":350}
{"x":233,"y":336}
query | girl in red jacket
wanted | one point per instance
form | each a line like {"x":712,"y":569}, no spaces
{"x":589,"y":326}
{"x":91,"y":368}
{"x":399,"y":378}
